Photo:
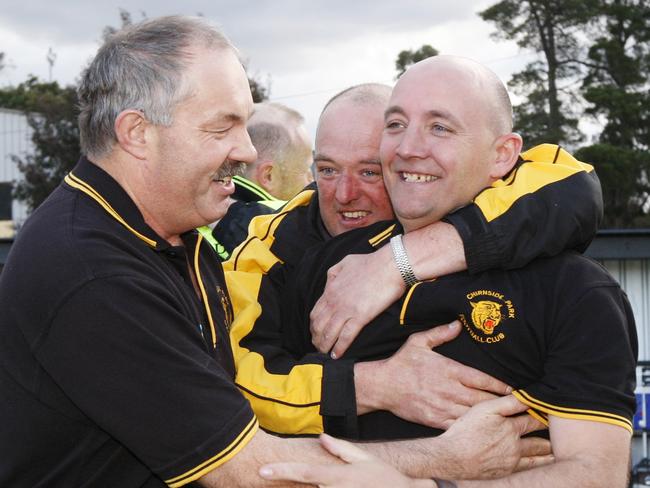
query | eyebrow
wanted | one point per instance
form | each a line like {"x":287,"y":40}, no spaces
{"x":441,"y":114}
{"x":322,"y":157}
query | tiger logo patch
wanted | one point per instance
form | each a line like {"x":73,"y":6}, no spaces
{"x":486,"y":315}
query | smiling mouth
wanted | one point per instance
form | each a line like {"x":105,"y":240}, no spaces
{"x":417,"y":177}
{"x":355,"y":215}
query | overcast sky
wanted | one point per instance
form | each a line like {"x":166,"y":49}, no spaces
{"x":309,"y":50}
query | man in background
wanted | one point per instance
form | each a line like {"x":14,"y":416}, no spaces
{"x":282,"y":169}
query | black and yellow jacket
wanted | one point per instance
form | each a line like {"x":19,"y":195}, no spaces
{"x":250,"y":200}
{"x":548,"y":203}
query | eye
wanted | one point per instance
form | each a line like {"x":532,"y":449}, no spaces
{"x":439,"y":129}
{"x":370,"y":173}
{"x":394,"y":124}
{"x":217,"y":133}
{"x":325,"y":171}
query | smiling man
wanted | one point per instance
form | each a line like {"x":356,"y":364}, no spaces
{"x":506,"y":227}
{"x":559,"y":330}
{"x":115,"y":363}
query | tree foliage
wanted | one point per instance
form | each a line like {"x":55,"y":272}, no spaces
{"x":593,"y":62}
{"x":616,"y":88}
{"x":550,"y":28}
{"x":408,"y":57}
{"x":52,"y":115}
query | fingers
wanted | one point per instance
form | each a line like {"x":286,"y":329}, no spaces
{"x":436,"y":336}
{"x":323,"y":327}
{"x":526,"y":424}
{"x":535,"y":447}
{"x":478,"y":380}
{"x":346,"y":336}
{"x":507,"y":406}
{"x":300,"y":472}
{"x":534,"y":462}
{"x":344,"y":450}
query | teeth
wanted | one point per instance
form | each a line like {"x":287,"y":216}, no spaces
{"x":418,"y":178}
{"x":355,"y":215}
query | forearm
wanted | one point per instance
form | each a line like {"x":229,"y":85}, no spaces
{"x":584,"y":473}
{"x":435,"y":250}
{"x":242,"y":470}
{"x":420,"y":458}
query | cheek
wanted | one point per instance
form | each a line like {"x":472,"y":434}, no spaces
{"x":380,"y":201}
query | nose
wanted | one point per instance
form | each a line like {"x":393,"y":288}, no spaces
{"x":347,"y":189}
{"x":243,"y":150}
{"x":411,"y":144}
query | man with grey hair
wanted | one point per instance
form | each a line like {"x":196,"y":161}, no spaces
{"x":282,"y":169}
{"x":115,"y":363}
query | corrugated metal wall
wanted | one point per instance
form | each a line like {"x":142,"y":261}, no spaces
{"x":634,"y":277}
{"x":15,"y":139}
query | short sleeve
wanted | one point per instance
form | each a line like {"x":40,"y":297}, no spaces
{"x":589,"y":372}
{"x":125,"y":352}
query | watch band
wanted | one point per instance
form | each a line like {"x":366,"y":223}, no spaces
{"x":402,"y":261}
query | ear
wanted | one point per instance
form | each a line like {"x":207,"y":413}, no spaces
{"x":265,"y":176}
{"x":130,"y":129}
{"x":507,"y":148}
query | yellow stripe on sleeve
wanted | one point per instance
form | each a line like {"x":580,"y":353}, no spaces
{"x":573,"y":413}
{"x":214,"y":462}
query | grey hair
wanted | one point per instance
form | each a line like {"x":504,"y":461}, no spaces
{"x":272,"y":130}
{"x":139,"y":67}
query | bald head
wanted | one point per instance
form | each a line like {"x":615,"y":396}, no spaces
{"x":368,"y":96}
{"x":447,"y":137}
{"x":473,"y":80}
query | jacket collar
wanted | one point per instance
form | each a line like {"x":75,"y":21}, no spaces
{"x":98,"y":185}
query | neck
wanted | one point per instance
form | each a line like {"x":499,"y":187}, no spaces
{"x":132,"y":181}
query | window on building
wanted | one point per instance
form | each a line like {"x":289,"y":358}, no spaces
{"x":5,"y":201}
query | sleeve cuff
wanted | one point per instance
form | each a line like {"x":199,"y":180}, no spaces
{"x":338,"y":400}
{"x":482,"y":249}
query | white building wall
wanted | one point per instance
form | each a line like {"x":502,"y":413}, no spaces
{"x":634,"y":277}
{"x":15,"y":140}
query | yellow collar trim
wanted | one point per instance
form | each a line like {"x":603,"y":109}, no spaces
{"x":81,"y":185}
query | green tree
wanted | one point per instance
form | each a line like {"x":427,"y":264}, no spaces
{"x":52,"y":115}
{"x":408,"y":57}
{"x":616,"y":87}
{"x":550,"y":28}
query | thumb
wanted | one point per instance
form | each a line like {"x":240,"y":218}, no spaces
{"x":436,"y":336}
{"x":344,"y":450}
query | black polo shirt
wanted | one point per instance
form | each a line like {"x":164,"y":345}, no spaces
{"x":113,"y":371}
{"x":560,"y":331}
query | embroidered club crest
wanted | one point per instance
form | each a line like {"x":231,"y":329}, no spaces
{"x":486,"y":315}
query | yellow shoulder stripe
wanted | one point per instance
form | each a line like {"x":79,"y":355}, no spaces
{"x":545,"y":164}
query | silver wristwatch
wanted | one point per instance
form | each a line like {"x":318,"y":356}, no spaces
{"x":402,"y":261}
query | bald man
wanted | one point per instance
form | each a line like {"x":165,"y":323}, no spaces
{"x":559,"y":330}
{"x":508,"y":226}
